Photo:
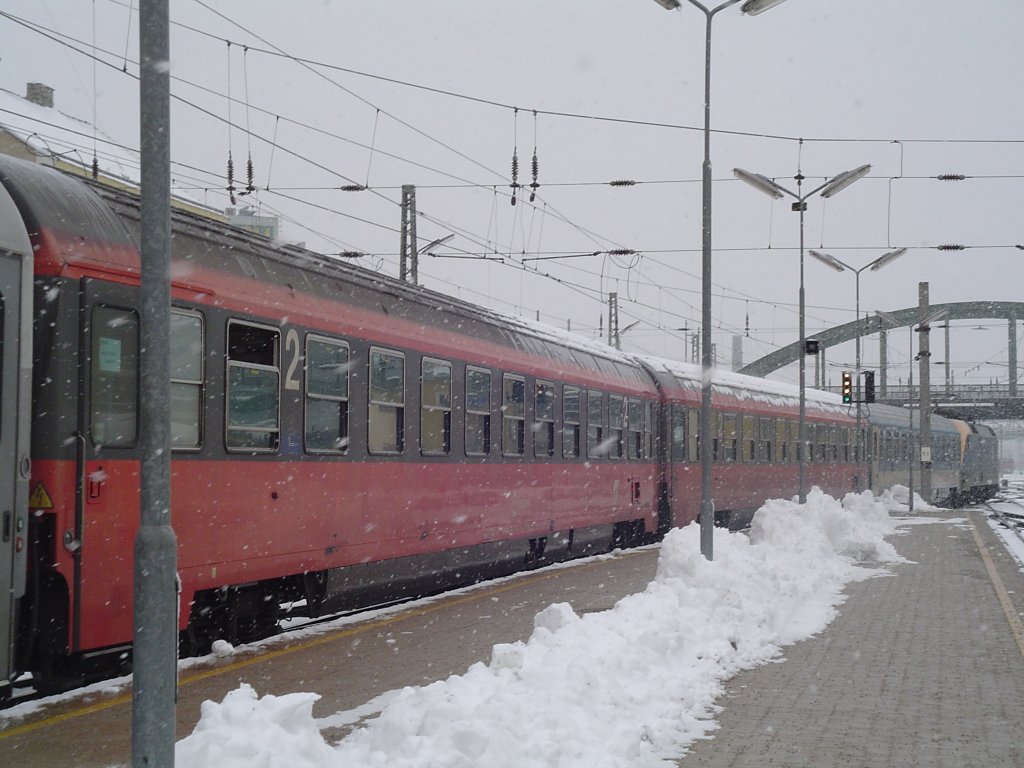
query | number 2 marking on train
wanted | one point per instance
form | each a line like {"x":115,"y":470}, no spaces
{"x":291,"y":344}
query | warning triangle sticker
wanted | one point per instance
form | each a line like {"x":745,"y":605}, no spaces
{"x":39,"y":499}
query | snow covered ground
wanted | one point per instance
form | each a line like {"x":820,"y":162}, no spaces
{"x":1012,"y":504}
{"x":631,"y":686}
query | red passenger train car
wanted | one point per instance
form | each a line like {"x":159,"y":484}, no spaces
{"x":339,"y":438}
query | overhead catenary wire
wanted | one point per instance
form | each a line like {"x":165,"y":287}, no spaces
{"x":274,"y":51}
{"x":546,"y":184}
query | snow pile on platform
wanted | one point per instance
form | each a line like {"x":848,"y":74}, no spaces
{"x":247,"y":730}
{"x":630,"y":686}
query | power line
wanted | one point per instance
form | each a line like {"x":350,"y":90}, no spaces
{"x":547,"y":112}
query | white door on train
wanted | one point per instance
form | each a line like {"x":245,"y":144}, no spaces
{"x":15,"y":383}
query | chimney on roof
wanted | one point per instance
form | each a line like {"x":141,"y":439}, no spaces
{"x":39,"y":93}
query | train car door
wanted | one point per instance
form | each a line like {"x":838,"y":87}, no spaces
{"x":108,"y":482}
{"x":15,"y":404}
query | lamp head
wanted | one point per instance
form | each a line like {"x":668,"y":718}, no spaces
{"x":844,"y":179}
{"x":828,"y":260}
{"x":754,"y":7}
{"x":668,"y":5}
{"x":885,"y":258}
{"x":761,"y":183}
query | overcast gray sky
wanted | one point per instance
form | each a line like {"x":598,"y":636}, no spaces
{"x":916,"y":88}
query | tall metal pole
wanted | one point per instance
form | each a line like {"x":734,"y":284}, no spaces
{"x":1011,"y":349}
{"x":856,"y":377}
{"x":910,"y":408}
{"x":156,"y":604}
{"x":883,"y":362}
{"x":802,"y":452}
{"x":707,"y":504}
{"x":924,"y":352}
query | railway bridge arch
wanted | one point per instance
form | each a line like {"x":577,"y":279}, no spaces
{"x":1009,"y":396}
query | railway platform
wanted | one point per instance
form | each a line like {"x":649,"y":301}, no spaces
{"x":348,"y":666}
{"x":923,"y":668}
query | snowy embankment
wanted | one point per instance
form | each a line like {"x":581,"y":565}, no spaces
{"x":630,"y":686}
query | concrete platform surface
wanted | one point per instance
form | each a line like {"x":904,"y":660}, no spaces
{"x":922,"y":668}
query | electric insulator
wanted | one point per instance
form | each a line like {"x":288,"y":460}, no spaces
{"x":231,"y":179}
{"x":353,"y":188}
{"x":515,"y":175}
{"x":950,"y":177}
{"x":952,"y":247}
{"x":535,"y":166}
{"x":621,"y":252}
{"x":622,"y":183}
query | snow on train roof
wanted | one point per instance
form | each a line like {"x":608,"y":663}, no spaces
{"x":740,"y":386}
{"x":743,"y":387}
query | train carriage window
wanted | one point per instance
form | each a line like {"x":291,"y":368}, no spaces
{"x":513,"y":411}
{"x":716,"y":437}
{"x":114,"y":377}
{"x":678,"y":433}
{"x":749,"y":447}
{"x":544,"y":419}
{"x":796,"y":447}
{"x":186,"y":379}
{"x":253,"y":389}
{"x":648,"y":452}
{"x":782,"y":441}
{"x":616,"y":422}
{"x":822,"y":433}
{"x":478,"y":411}
{"x":833,"y":443}
{"x":692,"y":434}
{"x":595,"y":425}
{"x":634,"y":429}
{"x":386,"y":423}
{"x":435,"y":407}
{"x":570,"y":422}
{"x":327,"y":376}
{"x":766,"y":431}
{"x":730,"y":438}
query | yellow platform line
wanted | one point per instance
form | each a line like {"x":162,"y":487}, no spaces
{"x":194,"y":677}
{"x":1016,"y":626}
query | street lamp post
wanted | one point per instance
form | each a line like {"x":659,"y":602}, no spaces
{"x":891,"y":320}
{"x":839,"y":266}
{"x":831,"y":187}
{"x":707,"y":507}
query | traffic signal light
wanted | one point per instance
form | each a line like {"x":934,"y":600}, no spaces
{"x":847,"y":387}
{"x":869,"y":386}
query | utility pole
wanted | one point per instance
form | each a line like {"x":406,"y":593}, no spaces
{"x":408,"y":260}
{"x":155,"y":615}
{"x":924,"y":355}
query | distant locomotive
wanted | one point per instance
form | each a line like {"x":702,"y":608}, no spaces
{"x":339,"y":438}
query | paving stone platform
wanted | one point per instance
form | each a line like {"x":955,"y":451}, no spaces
{"x":921,"y":668}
